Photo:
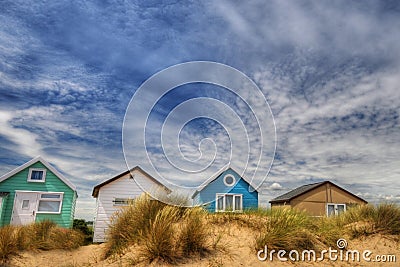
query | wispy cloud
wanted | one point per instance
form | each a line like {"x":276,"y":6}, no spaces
{"x":328,"y":69}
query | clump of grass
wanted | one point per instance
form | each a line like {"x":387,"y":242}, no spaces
{"x":364,"y":220}
{"x":129,"y":222}
{"x":8,"y":242}
{"x":158,"y":240}
{"x":161,"y":233}
{"x":39,"y":234}
{"x":60,"y":238}
{"x":387,"y":219}
{"x":328,"y":230}
{"x":194,"y":232}
{"x":44,"y":235}
{"x":285,"y":229}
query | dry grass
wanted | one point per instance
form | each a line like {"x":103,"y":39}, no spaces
{"x":127,"y":224}
{"x":285,"y":229}
{"x":368,"y":219}
{"x":169,"y":234}
{"x":38,"y":236}
{"x":161,"y":233}
{"x":8,"y":242}
{"x":158,"y":242}
{"x":194,"y":233}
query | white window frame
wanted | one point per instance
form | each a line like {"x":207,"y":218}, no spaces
{"x":218,"y":195}
{"x":335,"y":208}
{"x":37,"y":181}
{"x":233,"y":179}
{"x":40,"y":198}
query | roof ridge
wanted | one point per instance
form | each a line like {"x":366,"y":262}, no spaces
{"x":304,"y":189}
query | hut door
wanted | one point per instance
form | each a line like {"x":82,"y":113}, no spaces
{"x":25,"y":207}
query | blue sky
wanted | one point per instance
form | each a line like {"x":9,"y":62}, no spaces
{"x":329,"y":70}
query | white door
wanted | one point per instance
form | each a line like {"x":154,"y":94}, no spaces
{"x":25,"y":207}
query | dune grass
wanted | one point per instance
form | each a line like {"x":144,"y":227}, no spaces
{"x":365,"y":220}
{"x":9,"y":245}
{"x":286,"y":229}
{"x":193,"y":235}
{"x":158,"y":241}
{"x":130,"y":223}
{"x":44,"y":235}
{"x":290,"y":229}
{"x":161,"y":233}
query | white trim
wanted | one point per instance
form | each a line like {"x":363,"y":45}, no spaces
{"x":41,"y":192}
{"x":233,"y":180}
{"x":61,"y":200}
{"x":335,"y":208}
{"x":39,"y":198}
{"x":46,"y":164}
{"x":36,"y":181}
{"x":217,"y":174}
{"x":233,"y":202}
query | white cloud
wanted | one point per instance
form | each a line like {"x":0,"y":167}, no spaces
{"x":22,"y":141}
{"x":275,"y":186}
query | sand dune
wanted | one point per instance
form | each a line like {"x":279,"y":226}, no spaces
{"x":237,"y":250}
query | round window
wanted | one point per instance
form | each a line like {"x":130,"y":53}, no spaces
{"x":229,"y":180}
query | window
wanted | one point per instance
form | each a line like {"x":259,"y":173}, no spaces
{"x":50,"y":203}
{"x":37,"y":175}
{"x":121,"y":201}
{"x":229,"y":202}
{"x":229,"y":180}
{"x":25,"y":204}
{"x":335,"y":209}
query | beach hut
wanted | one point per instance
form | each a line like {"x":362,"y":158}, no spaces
{"x":226,"y":192}
{"x":318,"y":199}
{"x":36,"y":191}
{"x":115,"y":193}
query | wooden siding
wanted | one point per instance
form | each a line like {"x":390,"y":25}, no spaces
{"x":208,"y":194}
{"x":123,"y":187}
{"x":314,"y":201}
{"x":3,"y":200}
{"x":52,"y":184}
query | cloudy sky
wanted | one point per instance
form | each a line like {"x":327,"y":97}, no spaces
{"x":330,"y":72}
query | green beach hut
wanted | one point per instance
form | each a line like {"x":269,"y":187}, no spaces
{"x":36,"y":191}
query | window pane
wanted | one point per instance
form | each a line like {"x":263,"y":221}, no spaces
{"x":121,"y":201}
{"x":50,"y":196}
{"x":49,"y":206}
{"x":220,"y":203}
{"x":228,"y":202}
{"x":25,"y":204}
{"x":229,"y":180}
{"x":331,"y":210}
{"x":340,"y":208}
{"x":238,"y":203}
{"x":37,"y":175}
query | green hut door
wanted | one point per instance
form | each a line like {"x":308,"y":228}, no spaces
{"x":25,"y":207}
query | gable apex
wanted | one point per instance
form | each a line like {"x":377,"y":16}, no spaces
{"x":287,"y":197}
{"x":46,"y":164}
{"x":96,"y":189}
{"x":218,"y":174}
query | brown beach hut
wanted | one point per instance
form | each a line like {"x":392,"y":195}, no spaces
{"x":318,"y":199}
